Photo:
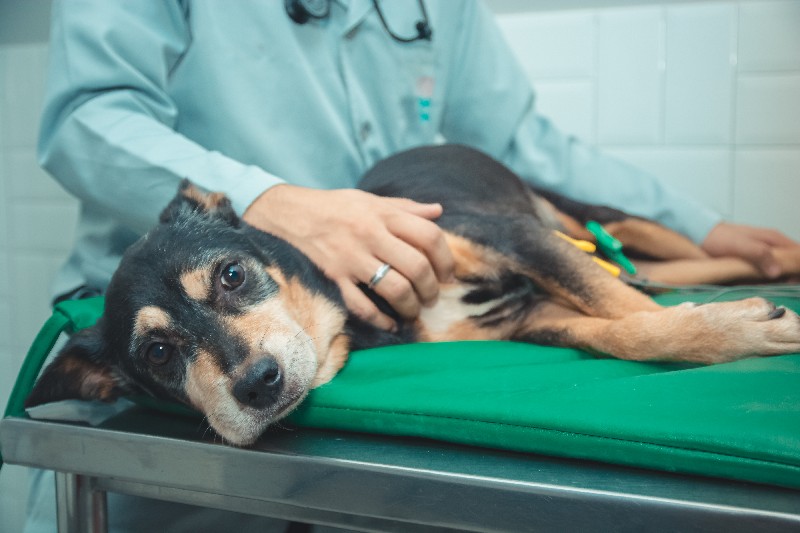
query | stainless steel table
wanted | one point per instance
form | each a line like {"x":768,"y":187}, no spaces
{"x":374,"y":483}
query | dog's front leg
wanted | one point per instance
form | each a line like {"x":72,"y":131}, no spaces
{"x":708,"y":333}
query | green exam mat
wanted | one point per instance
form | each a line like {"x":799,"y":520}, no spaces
{"x":737,"y":420}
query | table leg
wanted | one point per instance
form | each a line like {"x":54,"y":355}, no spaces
{"x":79,"y":508}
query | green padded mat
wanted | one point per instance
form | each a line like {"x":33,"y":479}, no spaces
{"x":738,"y":420}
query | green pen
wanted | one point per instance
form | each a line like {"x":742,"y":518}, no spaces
{"x":610,"y":246}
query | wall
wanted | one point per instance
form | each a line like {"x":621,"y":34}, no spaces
{"x":704,"y":94}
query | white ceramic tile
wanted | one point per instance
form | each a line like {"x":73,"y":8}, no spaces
{"x":25,"y":179}
{"x":42,"y":226}
{"x":569,"y":104}
{"x":769,"y":35}
{"x":630,"y":75}
{"x":552,"y":45}
{"x":704,"y":174}
{"x":768,"y":109}
{"x":699,"y":78}
{"x":23,"y":91}
{"x":767,"y":188}
{"x":34,"y":271}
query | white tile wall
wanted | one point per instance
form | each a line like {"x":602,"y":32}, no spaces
{"x":766,"y":186}
{"x":705,"y":95}
{"x":685,"y":90}
{"x":36,"y":221}
{"x":699,"y":73}
{"x":630,"y":75}
{"x":768,"y":109}
{"x":769,"y":39}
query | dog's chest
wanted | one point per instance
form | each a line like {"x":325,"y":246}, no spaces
{"x":456,"y":315}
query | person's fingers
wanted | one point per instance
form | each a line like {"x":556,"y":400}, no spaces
{"x":398,"y":292}
{"x":410,"y":263}
{"x":361,"y":306}
{"x":772,"y":237}
{"x":350,"y":233}
{"x":429,"y":239}
{"x":758,"y":253}
{"x":768,"y":264}
{"x":428,"y":211}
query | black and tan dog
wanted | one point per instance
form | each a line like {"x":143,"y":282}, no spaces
{"x":239,"y":325}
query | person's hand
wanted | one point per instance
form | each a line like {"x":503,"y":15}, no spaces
{"x":349,"y":234}
{"x":755,"y":245}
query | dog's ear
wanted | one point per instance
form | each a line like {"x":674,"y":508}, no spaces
{"x":79,"y":372}
{"x":192,"y":199}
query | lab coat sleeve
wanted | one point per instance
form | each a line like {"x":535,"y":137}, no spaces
{"x":502,"y":120}
{"x":107,"y":132}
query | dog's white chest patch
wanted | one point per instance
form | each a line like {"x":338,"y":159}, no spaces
{"x":451,"y":309}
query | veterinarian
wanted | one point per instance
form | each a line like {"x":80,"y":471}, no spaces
{"x":282,"y":108}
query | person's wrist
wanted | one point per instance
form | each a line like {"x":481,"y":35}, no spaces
{"x":265,"y":211}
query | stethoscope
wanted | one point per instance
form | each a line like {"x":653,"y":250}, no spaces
{"x":301,"y":11}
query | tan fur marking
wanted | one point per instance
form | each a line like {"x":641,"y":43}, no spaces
{"x":321,"y":319}
{"x":97,"y":382}
{"x":203,"y":378}
{"x":196,"y":284}
{"x":337,"y":356}
{"x":473,"y":260}
{"x":208,"y":201}
{"x":603,"y":295}
{"x":99,"y":386}
{"x":150,"y":318}
{"x":606,"y":296}
{"x":268,"y":319}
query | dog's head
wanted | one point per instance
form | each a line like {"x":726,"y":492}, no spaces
{"x":210,"y":312}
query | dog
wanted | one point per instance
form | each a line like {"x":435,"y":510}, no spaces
{"x":240,"y":325}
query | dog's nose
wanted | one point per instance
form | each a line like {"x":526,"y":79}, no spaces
{"x":260,"y":385}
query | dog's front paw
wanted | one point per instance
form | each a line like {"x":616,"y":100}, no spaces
{"x":754,"y":326}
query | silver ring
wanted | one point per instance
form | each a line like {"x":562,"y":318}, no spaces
{"x":379,"y":275}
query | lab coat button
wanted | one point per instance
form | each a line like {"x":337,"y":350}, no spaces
{"x":365,"y":131}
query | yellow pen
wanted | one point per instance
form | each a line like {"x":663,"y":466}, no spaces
{"x":590,"y":247}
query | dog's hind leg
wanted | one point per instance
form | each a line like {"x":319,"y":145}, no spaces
{"x":659,"y":253}
{"x":639,"y":235}
{"x":709,"y":333}
{"x":556,"y":267}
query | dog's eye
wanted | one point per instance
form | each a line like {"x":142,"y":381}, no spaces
{"x":232,"y":276}
{"x":159,"y":353}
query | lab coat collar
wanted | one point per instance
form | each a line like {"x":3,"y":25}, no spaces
{"x":357,"y":11}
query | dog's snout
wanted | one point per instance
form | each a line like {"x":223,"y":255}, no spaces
{"x":260,"y":385}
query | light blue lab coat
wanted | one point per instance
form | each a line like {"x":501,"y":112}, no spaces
{"x":237,"y":97}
